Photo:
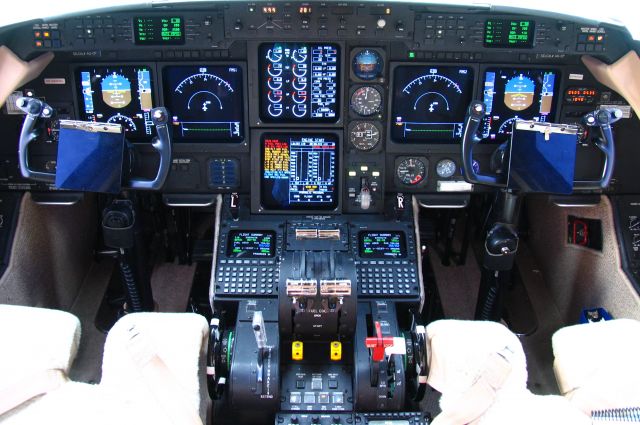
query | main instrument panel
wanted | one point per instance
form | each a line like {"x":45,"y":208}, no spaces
{"x":314,"y":106}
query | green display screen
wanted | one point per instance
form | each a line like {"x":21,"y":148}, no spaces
{"x":158,"y":30}
{"x":508,"y":33}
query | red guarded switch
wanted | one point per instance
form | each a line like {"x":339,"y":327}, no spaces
{"x":378,"y":343}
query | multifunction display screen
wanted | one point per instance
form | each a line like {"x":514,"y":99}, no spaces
{"x":158,"y":30}
{"x":509,"y":33}
{"x":299,"y":82}
{"x":382,"y":245}
{"x":251,"y":244}
{"x":119,"y":95}
{"x":429,"y":103}
{"x":512,"y":94}
{"x":206,"y":102}
{"x":299,"y":171}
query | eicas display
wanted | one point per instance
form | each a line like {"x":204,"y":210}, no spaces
{"x":429,"y":103}
{"x":206,"y":102}
{"x":299,"y":82}
{"x":118,"y":95}
{"x":299,"y":171}
{"x":512,"y":94}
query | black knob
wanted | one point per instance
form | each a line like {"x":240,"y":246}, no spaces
{"x":399,"y":26}
{"x":294,"y":420}
{"x":315,"y":419}
{"x":336,"y":419}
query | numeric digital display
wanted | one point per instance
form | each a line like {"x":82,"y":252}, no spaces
{"x":512,"y":94}
{"x":206,"y":102}
{"x":382,"y":245}
{"x":299,"y":171}
{"x":509,"y":33}
{"x":158,"y":30}
{"x":299,"y":82}
{"x":251,"y":244}
{"x":118,"y":95}
{"x":429,"y":103}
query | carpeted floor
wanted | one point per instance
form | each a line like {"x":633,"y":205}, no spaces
{"x":458,"y":289}
{"x":171,"y":285}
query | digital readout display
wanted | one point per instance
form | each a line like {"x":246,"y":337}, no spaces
{"x":509,"y":33}
{"x":382,"y":245}
{"x":158,"y":30}
{"x":251,"y":244}
{"x":299,"y":171}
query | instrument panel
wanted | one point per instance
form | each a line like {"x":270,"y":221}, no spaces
{"x":335,"y":106}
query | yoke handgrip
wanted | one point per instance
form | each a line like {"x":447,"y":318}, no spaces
{"x":34,"y":109}
{"x":472,"y":121}
{"x":162,"y":144}
{"x":602,"y":118}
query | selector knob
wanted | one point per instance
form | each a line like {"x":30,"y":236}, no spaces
{"x":294,"y":420}
{"x":381,"y":23}
{"x":238,"y":26}
{"x":399,"y":26}
{"x":315,"y":419}
{"x":336,"y":420}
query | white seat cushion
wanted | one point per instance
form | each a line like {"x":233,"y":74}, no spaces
{"x":597,"y":364}
{"x":458,"y":354}
{"x":179,"y":339}
{"x":36,"y":339}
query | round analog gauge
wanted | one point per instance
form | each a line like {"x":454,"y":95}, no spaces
{"x":126,"y":122}
{"x":367,"y":64}
{"x":411,"y":171}
{"x":366,"y":101}
{"x":364,"y":135}
{"x":445,"y":168}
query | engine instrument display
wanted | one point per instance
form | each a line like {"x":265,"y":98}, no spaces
{"x":299,"y":171}
{"x":158,"y":30}
{"x":429,"y":103}
{"x":118,"y":95}
{"x":509,"y":33}
{"x":251,"y":244}
{"x":299,"y":82}
{"x":411,"y":171}
{"x":382,"y":244}
{"x":512,"y":94}
{"x":206,"y":102}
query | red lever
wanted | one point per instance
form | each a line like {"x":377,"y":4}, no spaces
{"x":378,"y":343}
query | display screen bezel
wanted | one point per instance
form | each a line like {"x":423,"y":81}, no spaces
{"x":256,"y":163}
{"x":528,"y":44}
{"x":301,"y":207}
{"x":560,"y":71}
{"x":403,"y":244}
{"x":392,"y":99}
{"x":156,"y":42}
{"x":259,"y":63}
{"x":167,"y":90}
{"x":79,"y":102}
{"x":234,"y":232}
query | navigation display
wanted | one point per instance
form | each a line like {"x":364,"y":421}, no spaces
{"x":429,"y":103}
{"x":251,"y":244}
{"x":299,"y":82}
{"x":206,"y":102}
{"x":382,"y":245}
{"x":299,"y":171}
{"x":509,"y":33}
{"x":158,"y":30}
{"x":511,"y":94}
{"x":119,"y":95}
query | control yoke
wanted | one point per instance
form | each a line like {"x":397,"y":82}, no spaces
{"x":472,"y":121}
{"x":601,"y":118}
{"x":35,"y":109}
